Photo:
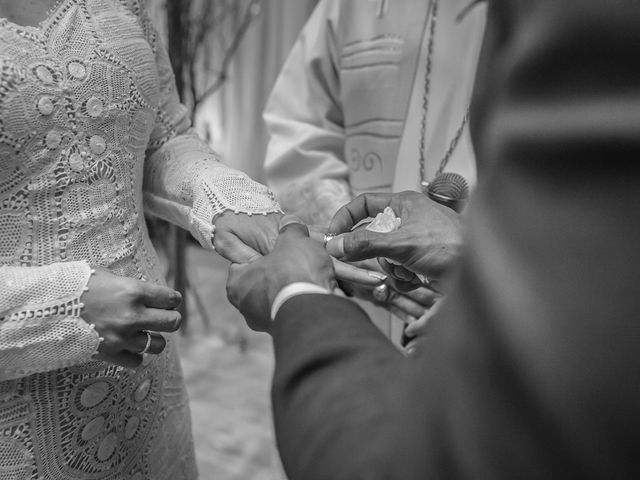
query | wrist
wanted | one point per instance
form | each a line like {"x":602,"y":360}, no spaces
{"x":292,"y":290}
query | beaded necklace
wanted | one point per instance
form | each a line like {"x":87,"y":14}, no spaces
{"x":424,"y":184}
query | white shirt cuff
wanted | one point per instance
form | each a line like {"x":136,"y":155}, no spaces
{"x":293,"y":290}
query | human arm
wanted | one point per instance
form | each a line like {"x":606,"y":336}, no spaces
{"x":65,"y":314}
{"x":252,"y":288}
{"x":531,"y":368}
{"x":186,"y":184}
{"x":41,"y":328}
{"x":305,"y":163}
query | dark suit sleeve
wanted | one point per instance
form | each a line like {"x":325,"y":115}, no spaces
{"x":532,"y":368}
{"x":328,"y":389}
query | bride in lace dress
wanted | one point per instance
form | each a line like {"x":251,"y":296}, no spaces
{"x":92,"y":133}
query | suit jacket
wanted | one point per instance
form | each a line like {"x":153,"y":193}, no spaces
{"x":532,"y":369}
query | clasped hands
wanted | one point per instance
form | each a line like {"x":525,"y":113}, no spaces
{"x":425,"y":245}
{"x":269,"y":252}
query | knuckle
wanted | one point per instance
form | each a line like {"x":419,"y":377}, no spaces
{"x":133,"y":290}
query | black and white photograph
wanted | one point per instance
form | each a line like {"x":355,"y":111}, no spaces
{"x":319,"y":239}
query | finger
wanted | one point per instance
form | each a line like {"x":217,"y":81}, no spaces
{"x":363,"y":244}
{"x":418,"y":327}
{"x":399,"y":283}
{"x":406,"y":304}
{"x":361,"y":207}
{"x":401,"y":314}
{"x":413,"y":348}
{"x":317,"y":233}
{"x":423,"y":324}
{"x":158,"y":320}
{"x":234,"y":249}
{"x":159,"y":296}
{"x":153,"y":343}
{"x":423,"y":296}
{"x":288,"y":220}
{"x":353,"y":274}
{"x":234,"y":283}
{"x":293,"y":226}
{"x":258,"y":233}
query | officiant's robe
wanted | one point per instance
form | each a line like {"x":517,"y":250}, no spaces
{"x":348,"y":101}
{"x":532,"y":367}
{"x":345,"y":113}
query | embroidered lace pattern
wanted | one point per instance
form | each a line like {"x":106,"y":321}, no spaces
{"x":88,"y":109}
{"x":27,"y":343}
{"x":192,"y":204}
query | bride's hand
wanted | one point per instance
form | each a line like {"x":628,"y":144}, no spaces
{"x":123,"y":310}
{"x":240,"y":238}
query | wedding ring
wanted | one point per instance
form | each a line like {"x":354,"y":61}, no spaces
{"x":326,"y":238}
{"x":146,"y":347}
{"x":423,"y":280}
{"x":381,"y":293}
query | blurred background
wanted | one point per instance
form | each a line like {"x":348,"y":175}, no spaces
{"x":226,"y":55}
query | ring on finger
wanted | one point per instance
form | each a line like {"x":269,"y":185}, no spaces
{"x":148,"y":344}
{"x":326,"y":238}
{"x":381,"y":293}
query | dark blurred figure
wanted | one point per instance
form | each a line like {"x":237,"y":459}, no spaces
{"x":531,"y":369}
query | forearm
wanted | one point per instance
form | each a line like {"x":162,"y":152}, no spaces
{"x":41,"y":327}
{"x":185,"y":183}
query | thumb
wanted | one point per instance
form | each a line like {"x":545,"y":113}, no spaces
{"x":292,"y":225}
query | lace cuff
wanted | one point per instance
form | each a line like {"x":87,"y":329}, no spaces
{"x":315,"y":202}
{"x":41,"y":328}
{"x":186,"y":184}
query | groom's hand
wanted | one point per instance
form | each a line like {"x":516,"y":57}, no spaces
{"x":252,"y":287}
{"x":427,"y":242}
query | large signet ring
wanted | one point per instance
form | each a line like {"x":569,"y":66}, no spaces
{"x":326,"y":238}
{"x":381,"y":293}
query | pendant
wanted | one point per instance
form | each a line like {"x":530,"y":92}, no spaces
{"x":449,"y":189}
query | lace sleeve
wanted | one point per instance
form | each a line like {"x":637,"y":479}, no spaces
{"x":304,"y":113}
{"x":184,"y":181}
{"x":41,"y":327}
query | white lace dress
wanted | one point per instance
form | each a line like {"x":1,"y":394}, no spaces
{"x":92,"y":133}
